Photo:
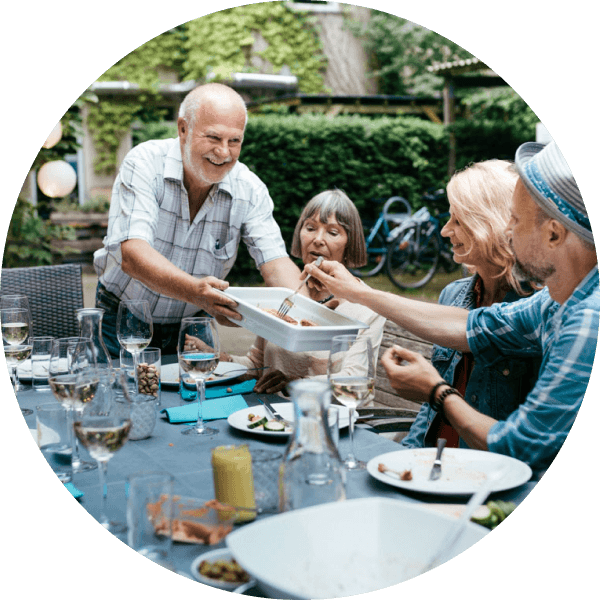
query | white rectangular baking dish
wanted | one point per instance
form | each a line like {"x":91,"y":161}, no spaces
{"x":291,"y":337}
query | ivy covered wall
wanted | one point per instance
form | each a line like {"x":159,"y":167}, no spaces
{"x":264,"y":37}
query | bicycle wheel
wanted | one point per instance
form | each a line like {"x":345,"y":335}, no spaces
{"x":412,"y":258}
{"x":376,"y":252}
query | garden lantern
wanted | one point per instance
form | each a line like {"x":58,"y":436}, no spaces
{"x":57,"y":179}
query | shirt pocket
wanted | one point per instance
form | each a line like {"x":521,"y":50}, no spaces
{"x":511,"y":381}
{"x":441,"y":359}
{"x":217,"y":260}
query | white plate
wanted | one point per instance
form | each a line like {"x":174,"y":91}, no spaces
{"x":239,"y":420}
{"x":227,"y":371}
{"x":291,"y":337}
{"x":24,"y":369}
{"x":212,"y":556}
{"x":463,"y":470}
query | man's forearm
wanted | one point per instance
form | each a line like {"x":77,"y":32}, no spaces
{"x":281,"y":272}
{"x":472,"y":426}
{"x":436,"y":323}
{"x":144,"y":263}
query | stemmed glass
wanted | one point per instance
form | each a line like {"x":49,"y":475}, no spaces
{"x":102,"y":435}
{"x":73,"y":379}
{"x":15,"y":332}
{"x":198,"y":350}
{"x":134,"y":329}
{"x":19,"y":301}
{"x":351,"y":371}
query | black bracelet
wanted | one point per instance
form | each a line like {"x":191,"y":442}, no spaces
{"x":439,"y":402}
{"x":436,"y":387}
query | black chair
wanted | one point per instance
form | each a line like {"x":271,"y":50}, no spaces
{"x":54,"y":292}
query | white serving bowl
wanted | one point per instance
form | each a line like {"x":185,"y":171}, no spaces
{"x":291,"y":337}
{"x":345,"y":548}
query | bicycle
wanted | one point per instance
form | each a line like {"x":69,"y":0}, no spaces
{"x":416,"y":248}
{"x":377,"y":236}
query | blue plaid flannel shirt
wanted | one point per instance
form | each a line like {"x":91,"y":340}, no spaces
{"x":566,"y":336}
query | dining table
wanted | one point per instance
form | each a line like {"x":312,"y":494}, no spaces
{"x":188,"y":459}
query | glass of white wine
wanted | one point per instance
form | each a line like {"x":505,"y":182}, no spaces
{"x":102,"y":435}
{"x":19,"y":301}
{"x":15,"y":335}
{"x":351,"y":372}
{"x":134,"y":329}
{"x":198,"y":350}
{"x":74,"y":380}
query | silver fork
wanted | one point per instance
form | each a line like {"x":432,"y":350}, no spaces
{"x":287,"y":304}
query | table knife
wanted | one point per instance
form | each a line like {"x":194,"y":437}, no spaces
{"x":436,"y":470}
{"x":273,"y":412}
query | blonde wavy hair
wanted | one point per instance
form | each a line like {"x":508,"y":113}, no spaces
{"x":481,"y":198}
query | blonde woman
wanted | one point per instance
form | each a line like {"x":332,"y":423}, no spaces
{"x":480,"y":206}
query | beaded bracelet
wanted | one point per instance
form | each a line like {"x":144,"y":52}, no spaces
{"x":436,"y":387}
{"x":438,"y":403}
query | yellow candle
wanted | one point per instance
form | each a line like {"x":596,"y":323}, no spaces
{"x":233,"y":481}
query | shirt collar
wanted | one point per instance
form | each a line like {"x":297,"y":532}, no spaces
{"x":173,"y":168}
{"x":586,"y":286}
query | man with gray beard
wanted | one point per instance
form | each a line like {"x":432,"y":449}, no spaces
{"x":179,"y":209}
{"x":552,"y":240}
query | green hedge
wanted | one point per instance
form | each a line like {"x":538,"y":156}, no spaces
{"x":298,"y":157}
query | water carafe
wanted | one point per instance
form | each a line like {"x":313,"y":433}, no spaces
{"x":90,"y":323}
{"x":311,"y":472}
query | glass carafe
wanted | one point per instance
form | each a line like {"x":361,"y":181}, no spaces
{"x":311,"y":472}
{"x":90,"y":323}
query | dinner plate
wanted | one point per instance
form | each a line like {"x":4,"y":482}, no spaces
{"x":239,"y":420}
{"x":463,"y":470}
{"x":225,"y":371}
{"x":24,"y":369}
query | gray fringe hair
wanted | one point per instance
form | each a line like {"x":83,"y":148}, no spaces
{"x":336,"y":203}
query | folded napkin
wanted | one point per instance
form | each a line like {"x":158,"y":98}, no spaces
{"x":220,"y":408}
{"x":218,"y":391}
{"x":76,"y":492}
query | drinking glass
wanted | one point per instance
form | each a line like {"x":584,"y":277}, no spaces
{"x":198,"y":350}
{"x":102,"y":435}
{"x":41,"y":347}
{"x":21,"y":302}
{"x":15,"y":356}
{"x":134,"y":329}
{"x":351,"y":371}
{"x":73,"y":381}
{"x":15,"y":333}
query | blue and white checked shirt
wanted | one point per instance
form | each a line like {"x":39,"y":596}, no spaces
{"x":150,"y":202}
{"x":566,"y":336}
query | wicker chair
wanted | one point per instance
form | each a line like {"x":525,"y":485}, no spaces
{"x":54,"y":293}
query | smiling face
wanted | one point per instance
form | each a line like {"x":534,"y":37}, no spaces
{"x":465,"y":251}
{"x":526,"y":230}
{"x":328,"y":240}
{"x":211,"y":146}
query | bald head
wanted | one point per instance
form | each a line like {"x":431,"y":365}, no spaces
{"x":212,"y":98}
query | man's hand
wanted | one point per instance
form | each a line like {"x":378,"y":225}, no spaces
{"x":214,"y":303}
{"x":409,"y":373}
{"x":336,"y":279}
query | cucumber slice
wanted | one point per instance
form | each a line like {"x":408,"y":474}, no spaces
{"x":257,"y":423}
{"x":274,"y":425}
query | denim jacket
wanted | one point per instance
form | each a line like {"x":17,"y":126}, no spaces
{"x":495,"y":389}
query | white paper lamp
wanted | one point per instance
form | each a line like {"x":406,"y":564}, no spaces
{"x":57,"y":179}
{"x":54,"y":136}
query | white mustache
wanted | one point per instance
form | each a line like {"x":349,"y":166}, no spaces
{"x":214,"y":159}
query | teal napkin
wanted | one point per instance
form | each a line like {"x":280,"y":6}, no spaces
{"x":218,"y":391}
{"x":216,"y":409}
{"x":76,"y":492}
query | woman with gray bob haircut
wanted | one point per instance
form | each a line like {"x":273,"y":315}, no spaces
{"x":329,"y":227}
{"x":336,"y":203}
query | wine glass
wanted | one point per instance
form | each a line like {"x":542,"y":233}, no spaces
{"x":15,"y":334}
{"x":102,"y":435}
{"x":73,"y":380}
{"x":134,"y":329}
{"x":198,"y":350}
{"x":19,"y":301}
{"x":16,"y":328}
{"x":351,"y":373}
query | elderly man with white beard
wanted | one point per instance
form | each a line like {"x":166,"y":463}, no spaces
{"x":179,"y":209}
